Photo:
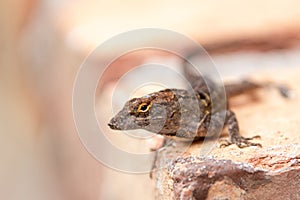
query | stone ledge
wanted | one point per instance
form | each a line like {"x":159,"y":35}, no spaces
{"x":277,"y":177}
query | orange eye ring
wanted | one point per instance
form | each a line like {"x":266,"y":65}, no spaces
{"x":144,"y":107}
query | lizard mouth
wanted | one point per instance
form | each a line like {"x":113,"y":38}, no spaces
{"x":113,"y":125}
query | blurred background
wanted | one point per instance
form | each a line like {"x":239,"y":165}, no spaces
{"x":44,"y":42}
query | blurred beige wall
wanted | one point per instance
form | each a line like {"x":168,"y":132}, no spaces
{"x":41,"y":155}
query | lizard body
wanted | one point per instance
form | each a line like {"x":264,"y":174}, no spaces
{"x":182,"y":113}
{"x":189,"y":114}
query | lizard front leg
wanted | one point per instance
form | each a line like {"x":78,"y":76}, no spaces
{"x":234,"y":133}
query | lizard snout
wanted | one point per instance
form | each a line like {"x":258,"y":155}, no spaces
{"x":112,"y":124}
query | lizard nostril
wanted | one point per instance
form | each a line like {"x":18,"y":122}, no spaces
{"x":112,"y":123}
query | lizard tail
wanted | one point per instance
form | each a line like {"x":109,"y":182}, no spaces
{"x":247,"y":86}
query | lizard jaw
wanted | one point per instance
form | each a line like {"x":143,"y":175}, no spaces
{"x":113,"y":126}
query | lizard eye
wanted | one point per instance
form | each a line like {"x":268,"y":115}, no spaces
{"x":143,"y":107}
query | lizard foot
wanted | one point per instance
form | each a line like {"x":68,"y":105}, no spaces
{"x":240,"y":141}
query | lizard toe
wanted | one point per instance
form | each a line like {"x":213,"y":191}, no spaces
{"x":241,"y":142}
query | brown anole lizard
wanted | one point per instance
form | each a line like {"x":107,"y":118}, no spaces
{"x":162,"y":112}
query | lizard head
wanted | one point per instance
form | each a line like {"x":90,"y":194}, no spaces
{"x":150,"y":112}
{"x":161,"y":112}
